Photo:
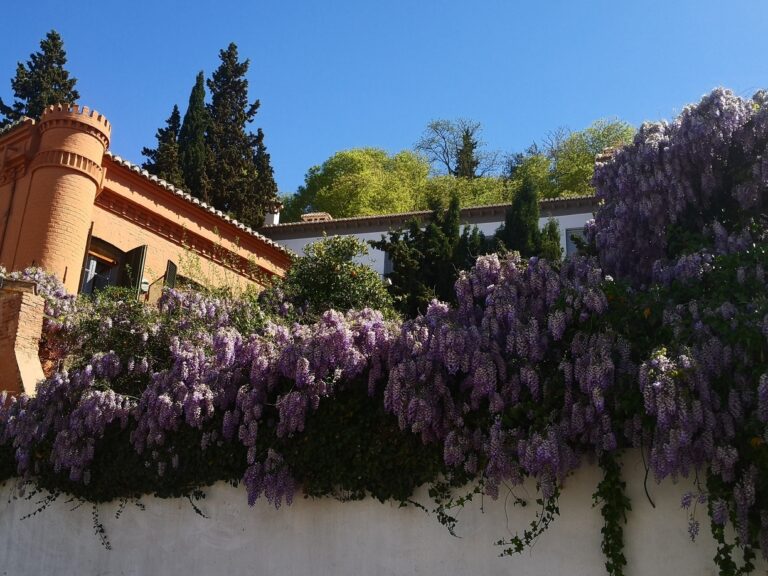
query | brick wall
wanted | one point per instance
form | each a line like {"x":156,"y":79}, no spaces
{"x":57,"y":185}
{"x":21,"y":324}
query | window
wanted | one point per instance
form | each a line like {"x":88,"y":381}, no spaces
{"x":106,"y":265}
{"x":570,"y":245}
{"x":98,"y":274}
{"x":388,"y":265}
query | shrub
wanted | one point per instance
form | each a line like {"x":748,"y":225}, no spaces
{"x":534,"y":370}
{"x":327,"y":277}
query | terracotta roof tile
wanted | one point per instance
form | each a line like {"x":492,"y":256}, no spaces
{"x":196,"y":201}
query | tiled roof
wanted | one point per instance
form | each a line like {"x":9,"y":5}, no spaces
{"x":196,"y":201}
{"x":545,"y":204}
{"x":15,"y":124}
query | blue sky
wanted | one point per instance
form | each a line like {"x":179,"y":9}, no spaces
{"x":335,"y":75}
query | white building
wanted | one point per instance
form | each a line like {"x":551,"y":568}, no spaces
{"x":571,"y":214}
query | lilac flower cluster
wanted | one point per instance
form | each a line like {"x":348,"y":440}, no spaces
{"x":711,"y":388}
{"x":208,"y":368}
{"x":535,"y":368}
{"x":524,"y":338}
{"x":73,"y":411}
{"x":59,"y":305}
{"x":673,"y":181}
{"x":294,"y":368}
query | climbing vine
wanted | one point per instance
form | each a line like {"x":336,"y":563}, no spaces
{"x":655,"y":339}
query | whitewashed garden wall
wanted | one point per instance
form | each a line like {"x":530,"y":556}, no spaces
{"x":330,"y":538}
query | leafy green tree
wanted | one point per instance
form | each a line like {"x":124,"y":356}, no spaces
{"x":361,"y":182}
{"x":443,"y":140}
{"x":573,"y":157}
{"x":426,"y":259}
{"x":520,"y":230}
{"x":328,"y":277}
{"x":534,"y":166}
{"x":231,"y":159}
{"x":565,"y":164}
{"x":164,"y":160}
{"x":466,"y":161}
{"x":40,"y":82}
{"x":479,"y":191}
{"x":192,"y":147}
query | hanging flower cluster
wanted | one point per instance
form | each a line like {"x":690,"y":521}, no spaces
{"x":658,"y":342}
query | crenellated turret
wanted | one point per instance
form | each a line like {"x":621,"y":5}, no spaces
{"x":66,"y":175}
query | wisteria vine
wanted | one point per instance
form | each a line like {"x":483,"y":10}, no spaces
{"x":657,"y":341}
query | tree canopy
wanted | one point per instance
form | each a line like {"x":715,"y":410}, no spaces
{"x":329,"y":276}
{"x":467,"y":162}
{"x":230,"y":162}
{"x":361,"y":182}
{"x":573,"y":157}
{"x":366,"y":181}
{"x":163,"y":161}
{"x":454,"y":148}
{"x":219,"y":160}
{"x":426,"y":259}
{"x":40,"y":82}
{"x":479,"y":191}
{"x":192,"y":142}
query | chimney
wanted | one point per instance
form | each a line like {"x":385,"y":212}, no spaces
{"x":316,"y":217}
{"x":272,"y":218}
{"x":272,"y":215}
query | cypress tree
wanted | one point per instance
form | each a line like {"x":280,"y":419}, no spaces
{"x":40,"y":82}
{"x":466,"y":159}
{"x":192,"y":145}
{"x":550,"y":241}
{"x":426,"y":262}
{"x":521,"y":223}
{"x":266,"y":187}
{"x":163,"y":161}
{"x":231,"y":162}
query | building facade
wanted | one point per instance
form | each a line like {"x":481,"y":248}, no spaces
{"x":570,"y":213}
{"x":71,"y":207}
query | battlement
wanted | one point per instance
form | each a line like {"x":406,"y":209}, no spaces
{"x":63,"y":115}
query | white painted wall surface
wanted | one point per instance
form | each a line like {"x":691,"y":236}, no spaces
{"x":330,"y":538}
{"x":375,"y":258}
{"x":565,"y":222}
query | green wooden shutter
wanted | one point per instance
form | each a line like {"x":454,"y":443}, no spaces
{"x":132,"y":271}
{"x":170,"y":275}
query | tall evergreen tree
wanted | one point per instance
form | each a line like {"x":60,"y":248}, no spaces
{"x":549,"y":244}
{"x":231,"y":162}
{"x":266,"y":187}
{"x":192,"y":144}
{"x":521,"y":223}
{"x":163,"y":161}
{"x":466,"y":158}
{"x":40,"y":82}
{"x":426,"y":261}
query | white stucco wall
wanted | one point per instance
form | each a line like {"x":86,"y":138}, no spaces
{"x":376,"y":258}
{"x":330,"y":538}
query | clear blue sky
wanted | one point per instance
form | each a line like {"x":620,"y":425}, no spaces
{"x":335,"y":75}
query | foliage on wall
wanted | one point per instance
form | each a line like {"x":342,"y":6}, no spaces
{"x":659,"y":343}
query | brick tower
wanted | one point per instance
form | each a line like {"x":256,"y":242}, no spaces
{"x":66,"y":175}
